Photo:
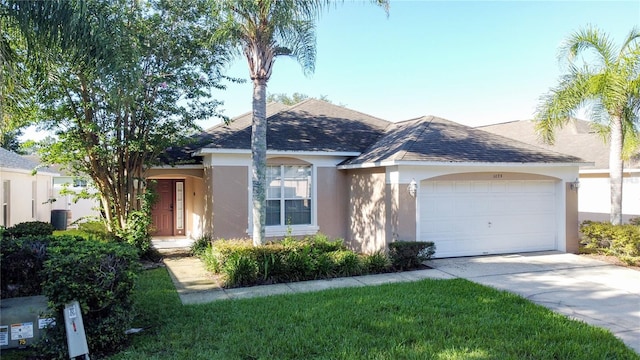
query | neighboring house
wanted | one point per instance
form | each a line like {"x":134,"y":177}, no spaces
{"x":24,"y":196}
{"x":579,"y":139}
{"x":371,"y":182}
{"x":79,"y":209}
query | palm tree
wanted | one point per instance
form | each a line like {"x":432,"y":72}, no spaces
{"x":265,"y":29}
{"x":607,"y":79}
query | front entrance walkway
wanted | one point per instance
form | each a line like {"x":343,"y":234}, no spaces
{"x":171,"y":242}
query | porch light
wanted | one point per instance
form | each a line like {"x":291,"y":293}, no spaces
{"x":574,"y":185}
{"x":412,"y":188}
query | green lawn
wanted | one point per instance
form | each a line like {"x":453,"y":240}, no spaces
{"x":432,"y":319}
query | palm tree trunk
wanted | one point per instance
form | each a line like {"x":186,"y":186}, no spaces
{"x":259,"y":159}
{"x":615,"y":169}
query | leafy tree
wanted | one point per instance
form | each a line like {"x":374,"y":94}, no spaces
{"x":608,"y":79}
{"x":286,"y":99}
{"x":292,"y":99}
{"x":119,"y":100}
{"x":264,"y":30}
{"x":17,"y":105}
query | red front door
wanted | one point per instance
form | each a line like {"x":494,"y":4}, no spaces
{"x":162,"y":212}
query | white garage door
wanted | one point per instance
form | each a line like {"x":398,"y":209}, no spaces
{"x":466,"y":218}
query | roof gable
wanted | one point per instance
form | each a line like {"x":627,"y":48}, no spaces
{"x":309,"y":126}
{"x":432,"y":139}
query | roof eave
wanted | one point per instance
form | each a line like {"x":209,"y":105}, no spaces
{"x":206,"y":151}
{"x":458,"y":163}
{"x":178,"y":166}
{"x":29,"y":171}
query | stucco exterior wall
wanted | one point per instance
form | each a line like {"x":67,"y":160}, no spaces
{"x":401,"y":213}
{"x":595,"y":196}
{"x":333,"y":201}
{"x":194,"y":206}
{"x":207,"y":198}
{"x":23,"y":187}
{"x":367,"y":231}
{"x":572,"y":240}
{"x":230,"y":209}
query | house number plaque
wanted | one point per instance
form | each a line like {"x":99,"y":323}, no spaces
{"x":497,"y":176}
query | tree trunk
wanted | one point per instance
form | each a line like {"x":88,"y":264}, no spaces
{"x":259,"y":159}
{"x":615,"y":169}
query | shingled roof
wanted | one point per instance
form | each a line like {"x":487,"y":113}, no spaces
{"x":183,"y":154}
{"x":12,"y":160}
{"x":311,"y":125}
{"x":432,"y":139}
{"x":576,"y":138}
{"x":318,"y":126}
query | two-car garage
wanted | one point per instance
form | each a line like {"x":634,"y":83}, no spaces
{"x":497,"y":215}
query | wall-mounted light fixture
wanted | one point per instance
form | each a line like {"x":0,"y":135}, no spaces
{"x":575,"y":185}
{"x":412,"y":188}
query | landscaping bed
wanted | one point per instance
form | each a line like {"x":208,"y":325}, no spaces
{"x":240,"y":263}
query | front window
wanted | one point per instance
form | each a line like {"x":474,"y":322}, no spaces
{"x":288,"y":195}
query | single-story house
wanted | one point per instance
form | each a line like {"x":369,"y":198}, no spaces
{"x":370,"y":181}
{"x":578,"y":138}
{"x":25,"y":196}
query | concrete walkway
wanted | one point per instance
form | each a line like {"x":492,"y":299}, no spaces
{"x":581,"y":288}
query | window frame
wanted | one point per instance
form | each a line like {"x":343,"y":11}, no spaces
{"x":283,"y":228}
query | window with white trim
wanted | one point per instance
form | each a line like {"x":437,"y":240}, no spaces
{"x":34,"y":197}
{"x":6,"y":202}
{"x":288,"y":195}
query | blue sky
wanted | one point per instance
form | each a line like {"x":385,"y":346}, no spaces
{"x":473,"y":62}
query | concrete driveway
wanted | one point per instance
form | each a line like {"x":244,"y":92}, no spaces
{"x":595,"y":292}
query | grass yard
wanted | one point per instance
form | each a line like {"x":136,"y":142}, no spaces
{"x":433,"y":319}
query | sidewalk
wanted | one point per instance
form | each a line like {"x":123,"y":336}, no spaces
{"x":196,"y":286}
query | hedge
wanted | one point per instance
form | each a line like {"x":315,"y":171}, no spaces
{"x":317,"y":257}
{"x":101,"y":277}
{"x":622,"y":241}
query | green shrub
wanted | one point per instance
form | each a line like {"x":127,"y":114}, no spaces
{"x":315,"y":257}
{"x":347,"y":263}
{"x":270,"y":259}
{"x":325,"y":266}
{"x":92,"y":230}
{"x":222,"y":249}
{"x":101,"y":277}
{"x":377,"y":263}
{"x":30,"y":228}
{"x":406,"y":255}
{"x":201,"y":245}
{"x":622,"y":241}
{"x":240,"y":270}
{"x":21,"y":263}
{"x":322,"y":243}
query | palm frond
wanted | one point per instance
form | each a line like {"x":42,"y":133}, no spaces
{"x":632,"y":38}
{"x":602,"y":130}
{"x":589,"y":38}
{"x":559,"y":105}
{"x":300,"y":39}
